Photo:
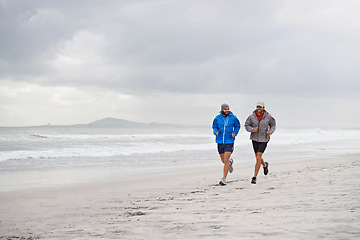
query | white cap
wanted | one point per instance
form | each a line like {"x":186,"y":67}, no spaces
{"x":261,"y":104}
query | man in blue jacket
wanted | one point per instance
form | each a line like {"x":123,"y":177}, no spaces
{"x":225,"y":126}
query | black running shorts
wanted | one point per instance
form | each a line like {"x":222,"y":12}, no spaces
{"x":259,"y":146}
{"x":225,"y":148}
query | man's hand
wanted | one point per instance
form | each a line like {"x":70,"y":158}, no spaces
{"x":268,"y":132}
{"x":256,"y":129}
{"x":217,"y":133}
{"x":233,"y":135}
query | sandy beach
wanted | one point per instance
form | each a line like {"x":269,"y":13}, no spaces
{"x":308,"y":199}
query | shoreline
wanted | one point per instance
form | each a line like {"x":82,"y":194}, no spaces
{"x":307,"y":199}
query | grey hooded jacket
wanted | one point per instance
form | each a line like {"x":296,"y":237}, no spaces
{"x":267,"y":123}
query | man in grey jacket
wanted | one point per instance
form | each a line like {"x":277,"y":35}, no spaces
{"x":261,"y":125}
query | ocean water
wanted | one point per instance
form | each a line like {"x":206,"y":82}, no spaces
{"x":50,"y":156}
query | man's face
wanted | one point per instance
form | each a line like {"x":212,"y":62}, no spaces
{"x":259,"y":109}
{"x":226,"y":111}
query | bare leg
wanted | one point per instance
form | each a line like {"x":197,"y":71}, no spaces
{"x":259,"y":162}
{"x":222,"y":157}
{"x":225,"y":160}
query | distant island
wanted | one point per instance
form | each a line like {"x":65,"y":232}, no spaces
{"x":114,"y":123}
{"x":119,"y":123}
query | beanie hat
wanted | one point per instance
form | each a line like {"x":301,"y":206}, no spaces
{"x":223,"y":106}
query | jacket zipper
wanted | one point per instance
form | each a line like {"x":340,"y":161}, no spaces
{"x":258,"y":132}
{"x":225,"y":124}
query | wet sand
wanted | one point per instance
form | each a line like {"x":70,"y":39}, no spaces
{"x":309,"y":199}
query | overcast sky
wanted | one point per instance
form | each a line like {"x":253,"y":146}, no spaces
{"x":68,"y":62}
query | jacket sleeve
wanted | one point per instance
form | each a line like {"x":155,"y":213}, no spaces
{"x":236,"y":126}
{"x":272,"y":124}
{"x":215,"y":126}
{"x":248,"y":126}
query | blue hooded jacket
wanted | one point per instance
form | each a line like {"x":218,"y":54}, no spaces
{"x":226,"y":126}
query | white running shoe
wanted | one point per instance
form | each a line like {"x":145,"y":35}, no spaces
{"x":222,"y":182}
{"x":231,"y":169}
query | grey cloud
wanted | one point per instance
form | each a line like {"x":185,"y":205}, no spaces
{"x":197,"y":46}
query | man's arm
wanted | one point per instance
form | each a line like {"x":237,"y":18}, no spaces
{"x":237,"y":126}
{"x":215,"y":127}
{"x":248,"y":126}
{"x":272,"y":124}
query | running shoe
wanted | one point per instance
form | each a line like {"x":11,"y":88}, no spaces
{"x":266,"y":169}
{"x":222,"y":182}
{"x":253,"y":180}
{"x":231,"y":169}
